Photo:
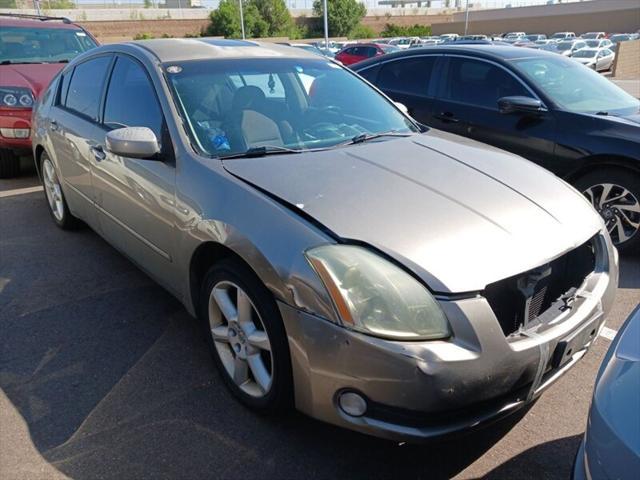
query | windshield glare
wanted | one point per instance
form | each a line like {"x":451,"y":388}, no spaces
{"x":42,"y":45}
{"x":231,"y":106}
{"x":575,"y":88}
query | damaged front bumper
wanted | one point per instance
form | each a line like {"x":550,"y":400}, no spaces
{"x":415,"y":391}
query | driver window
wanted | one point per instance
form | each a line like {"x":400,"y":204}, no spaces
{"x":131,"y":100}
{"x":480,"y":83}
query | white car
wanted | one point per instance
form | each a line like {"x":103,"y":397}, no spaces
{"x":600,"y":43}
{"x":596,"y":58}
{"x":563,"y":35}
{"x":593,"y":35}
{"x":569,"y":47}
{"x":405,"y":42}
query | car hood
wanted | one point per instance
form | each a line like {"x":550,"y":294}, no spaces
{"x":36,"y":76}
{"x":458,"y":213}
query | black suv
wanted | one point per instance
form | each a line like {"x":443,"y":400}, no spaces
{"x":547,"y":108}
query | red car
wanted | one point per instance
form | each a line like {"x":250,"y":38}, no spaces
{"x":361,"y":51}
{"x":33,"y":49}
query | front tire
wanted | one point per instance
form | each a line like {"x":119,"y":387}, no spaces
{"x":9,"y":164}
{"x":246,"y":336}
{"x":56,"y":202}
{"x":615,"y":194}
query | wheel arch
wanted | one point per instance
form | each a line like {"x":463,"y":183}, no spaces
{"x":595,"y":162}
{"x":38,"y":151}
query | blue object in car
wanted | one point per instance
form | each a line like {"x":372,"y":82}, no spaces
{"x":611,"y":445}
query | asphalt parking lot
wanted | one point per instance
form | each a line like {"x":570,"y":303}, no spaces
{"x":104,"y":375}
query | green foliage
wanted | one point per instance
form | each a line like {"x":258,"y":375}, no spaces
{"x":59,"y":4}
{"x":7,"y":3}
{"x":343,"y":15}
{"x":362,"y":31}
{"x":393,"y":30}
{"x":143,"y":36}
{"x":148,"y":4}
{"x":262,"y":18}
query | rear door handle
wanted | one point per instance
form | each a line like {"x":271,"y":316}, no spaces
{"x":53,"y":125}
{"x":98,"y":153}
{"x":447,"y":117}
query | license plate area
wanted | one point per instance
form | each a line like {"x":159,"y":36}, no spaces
{"x":574,"y":342}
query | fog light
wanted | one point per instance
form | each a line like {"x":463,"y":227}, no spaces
{"x":15,"y":132}
{"x":352,"y":404}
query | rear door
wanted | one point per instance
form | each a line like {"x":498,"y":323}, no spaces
{"x":411,"y":81}
{"x":136,"y":198}
{"x":73,"y":130}
{"x":468,"y":105}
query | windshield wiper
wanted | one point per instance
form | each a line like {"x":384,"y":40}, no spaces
{"x":603,"y":113}
{"x":365,"y":137}
{"x":260,"y":152}
{"x":11,"y":62}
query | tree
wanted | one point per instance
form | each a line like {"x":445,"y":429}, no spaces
{"x":262,"y":18}
{"x":7,"y":3}
{"x":276,"y":14}
{"x":343,"y":15}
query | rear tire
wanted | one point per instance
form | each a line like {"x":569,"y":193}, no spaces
{"x":56,"y":202}
{"x":9,"y":164}
{"x":246,"y":336}
{"x":615,"y":194}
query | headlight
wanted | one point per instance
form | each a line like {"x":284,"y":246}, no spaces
{"x":374,"y":296}
{"x":16,"y":97}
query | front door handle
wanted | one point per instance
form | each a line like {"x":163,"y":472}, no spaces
{"x":53,"y":125}
{"x":446,"y":117}
{"x":98,"y":153}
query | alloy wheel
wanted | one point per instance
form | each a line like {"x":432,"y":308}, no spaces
{"x":52,"y":190}
{"x":240,"y":339}
{"x":619,"y":208}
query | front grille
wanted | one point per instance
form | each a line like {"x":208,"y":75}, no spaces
{"x":523,"y":299}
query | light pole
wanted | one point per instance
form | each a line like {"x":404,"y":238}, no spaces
{"x":326,"y":25}
{"x":241,"y":19}
{"x":466,"y":19}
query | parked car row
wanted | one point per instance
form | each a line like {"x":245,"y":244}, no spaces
{"x":343,"y":256}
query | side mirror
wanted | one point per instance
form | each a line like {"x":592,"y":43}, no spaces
{"x":519,"y":104}
{"x":402,"y":107}
{"x":133,"y":142}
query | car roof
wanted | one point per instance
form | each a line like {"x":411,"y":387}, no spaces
{"x":183,"y":49}
{"x":490,"y":52}
{"x":10,"y":21}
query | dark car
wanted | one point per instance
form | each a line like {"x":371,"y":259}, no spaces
{"x":550,"y":109}
{"x":33,"y":49}
{"x":363,"y":51}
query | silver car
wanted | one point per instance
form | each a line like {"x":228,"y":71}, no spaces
{"x":398,"y":281}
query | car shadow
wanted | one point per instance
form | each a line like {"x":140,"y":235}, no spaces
{"x":552,"y":454}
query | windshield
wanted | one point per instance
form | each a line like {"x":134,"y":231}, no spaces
{"x":232,"y":106}
{"x":565,"y":45}
{"x":619,"y":38}
{"x":389,"y":48}
{"x":559,"y":35}
{"x":593,"y":43}
{"x":585,"y":54}
{"x":575,"y":88}
{"x":42,"y":45}
{"x":590,"y":35}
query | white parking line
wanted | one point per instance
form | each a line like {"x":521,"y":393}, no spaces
{"x":608,"y":333}
{"x":20,"y":191}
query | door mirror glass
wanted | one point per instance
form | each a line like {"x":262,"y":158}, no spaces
{"x":520,"y":104}
{"x":133,"y":142}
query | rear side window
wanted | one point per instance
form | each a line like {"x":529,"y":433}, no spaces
{"x":85,"y":87}
{"x":480,"y":83}
{"x":131,"y":100}
{"x":410,"y":76}
{"x":370,"y":74}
